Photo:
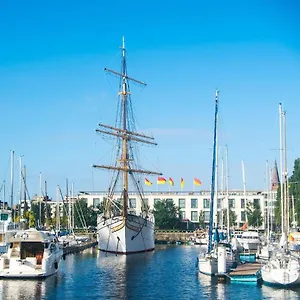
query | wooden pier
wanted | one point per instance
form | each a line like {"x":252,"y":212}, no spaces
{"x":79,"y":247}
{"x":248,"y":272}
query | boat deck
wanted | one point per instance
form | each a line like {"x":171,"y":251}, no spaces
{"x":245,"y":269}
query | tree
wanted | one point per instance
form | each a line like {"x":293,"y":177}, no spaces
{"x":232,"y":217}
{"x":293,"y":191}
{"x":84,"y":215}
{"x":254,"y":216}
{"x":167,"y":215}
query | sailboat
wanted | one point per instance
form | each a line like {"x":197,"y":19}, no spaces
{"x":283,"y":268}
{"x":208,"y":263}
{"x":119,"y":228}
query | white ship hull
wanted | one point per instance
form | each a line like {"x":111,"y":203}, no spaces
{"x":128,"y":235}
{"x":208,"y":265}
{"x":282,"y":272}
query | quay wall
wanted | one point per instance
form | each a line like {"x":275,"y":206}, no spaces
{"x":173,"y":236}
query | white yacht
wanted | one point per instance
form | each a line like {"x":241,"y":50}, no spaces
{"x":250,"y":240}
{"x":31,"y":254}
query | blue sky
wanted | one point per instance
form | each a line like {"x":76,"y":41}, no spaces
{"x":54,"y":91}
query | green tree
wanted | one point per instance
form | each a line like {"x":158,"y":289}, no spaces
{"x":232,"y":217}
{"x":84,"y":215}
{"x":254,"y":216}
{"x":167,"y":215}
{"x":294,"y":192}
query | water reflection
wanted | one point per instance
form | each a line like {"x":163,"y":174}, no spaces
{"x":122,"y":271}
{"x":26,"y":289}
{"x":269,"y":292}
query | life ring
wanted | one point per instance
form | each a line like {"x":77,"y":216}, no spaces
{"x":24,"y":236}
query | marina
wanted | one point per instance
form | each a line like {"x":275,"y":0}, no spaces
{"x":183,"y":186}
{"x":165,"y":273}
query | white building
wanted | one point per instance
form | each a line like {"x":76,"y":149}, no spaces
{"x":191,"y":204}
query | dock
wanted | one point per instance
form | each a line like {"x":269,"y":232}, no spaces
{"x":248,"y":272}
{"x":79,"y":247}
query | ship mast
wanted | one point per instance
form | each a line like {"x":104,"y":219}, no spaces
{"x":124,"y":133}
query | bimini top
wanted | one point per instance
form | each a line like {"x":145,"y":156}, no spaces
{"x":32,"y":235}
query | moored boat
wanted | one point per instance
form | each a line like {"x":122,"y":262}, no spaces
{"x":121,"y":229}
{"x":31,"y":254}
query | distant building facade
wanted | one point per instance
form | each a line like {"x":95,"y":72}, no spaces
{"x":192,"y":204}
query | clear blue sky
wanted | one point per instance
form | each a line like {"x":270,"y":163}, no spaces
{"x":53,"y":90}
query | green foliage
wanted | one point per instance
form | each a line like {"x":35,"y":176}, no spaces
{"x":84,"y":215}
{"x":232,"y":217}
{"x":167,"y":215}
{"x":294,"y":183}
{"x":294,"y":190}
{"x":254,"y":216}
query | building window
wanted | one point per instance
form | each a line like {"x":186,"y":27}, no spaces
{"x":256,"y":202}
{"x":181,"y":203}
{"x":182,"y":213}
{"x":96,"y":202}
{"x":206,"y":216}
{"x":231,"y":203}
{"x":219,"y":203}
{"x":169,"y":200}
{"x":243,"y":216}
{"x":194,"y":203}
{"x":206,"y":203}
{"x":194,"y":216}
{"x":132,"y":203}
{"x":242,"y":203}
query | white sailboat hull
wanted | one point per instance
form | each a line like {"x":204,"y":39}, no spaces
{"x":283,"y":272}
{"x":208,"y":265}
{"x":128,"y":235}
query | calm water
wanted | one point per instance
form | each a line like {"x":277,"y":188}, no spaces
{"x":167,"y":273}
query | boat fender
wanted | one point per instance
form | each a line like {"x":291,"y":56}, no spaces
{"x":56,"y":265}
{"x":197,"y":262}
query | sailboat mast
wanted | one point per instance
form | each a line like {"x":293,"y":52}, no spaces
{"x":281,"y":168}
{"x":12,"y":153}
{"x":244,"y":187}
{"x":286,"y":198}
{"x":213,"y":175}
{"x":227,"y":195}
{"x":124,"y":139}
{"x":268,"y":204}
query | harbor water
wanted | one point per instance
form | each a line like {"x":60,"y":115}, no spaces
{"x":169,"y":272}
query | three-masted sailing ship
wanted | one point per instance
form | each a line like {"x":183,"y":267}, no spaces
{"x":120,"y":228}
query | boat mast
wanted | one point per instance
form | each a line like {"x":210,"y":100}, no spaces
{"x":268,"y":203}
{"x":12,"y":153}
{"x":213,"y":175}
{"x":227,"y":195}
{"x":124,"y":132}
{"x":244,"y":187}
{"x":286,"y":198}
{"x":281,"y":168}
{"x":124,"y":156}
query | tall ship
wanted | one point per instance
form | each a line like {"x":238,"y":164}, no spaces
{"x":119,"y":228}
